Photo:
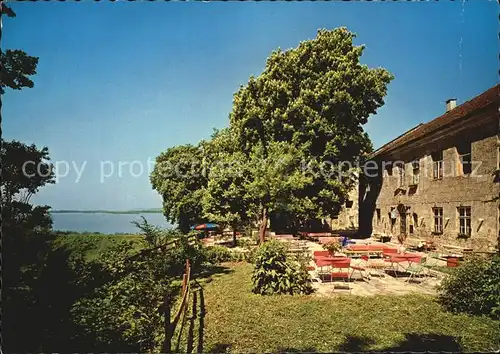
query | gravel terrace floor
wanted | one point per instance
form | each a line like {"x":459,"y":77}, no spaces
{"x":378,"y":282}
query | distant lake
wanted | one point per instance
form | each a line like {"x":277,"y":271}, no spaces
{"x":103,"y":222}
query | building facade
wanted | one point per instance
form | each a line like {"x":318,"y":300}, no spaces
{"x":440,"y":180}
{"x":348,"y":217}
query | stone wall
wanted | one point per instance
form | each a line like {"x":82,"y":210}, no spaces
{"x":348,"y":215}
{"x":477,"y":190}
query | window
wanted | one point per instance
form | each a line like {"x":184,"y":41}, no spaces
{"x":415,"y":165}
{"x":438,"y":220}
{"x":378,"y":216}
{"x":348,"y":204}
{"x":401,"y":169}
{"x":464,"y":221}
{"x":465,"y":160}
{"x":388,"y":168}
{"x":437,"y":165}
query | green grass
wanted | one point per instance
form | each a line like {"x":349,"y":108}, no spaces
{"x":238,"y":321}
{"x":443,"y":269}
{"x":91,"y":244}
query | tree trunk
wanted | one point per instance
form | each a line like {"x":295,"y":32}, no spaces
{"x":263,"y":226}
{"x":234,"y":236}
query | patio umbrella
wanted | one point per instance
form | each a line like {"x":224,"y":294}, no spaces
{"x":207,"y":226}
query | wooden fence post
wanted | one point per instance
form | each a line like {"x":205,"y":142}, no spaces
{"x":167,"y":344}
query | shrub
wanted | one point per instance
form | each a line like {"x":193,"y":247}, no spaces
{"x":217,"y":254}
{"x":120,"y":311}
{"x":275,"y":274}
{"x":473,"y":288}
{"x":332,"y":247}
{"x":244,"y":242}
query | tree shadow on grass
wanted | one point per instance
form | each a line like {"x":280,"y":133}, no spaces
{"x":209,"y":270}
{"x":197,"y":303}
{"x":296,"y":350}
{"x":413,"y":342}
{"x":416,"y":342}
{"x":219,"y":348}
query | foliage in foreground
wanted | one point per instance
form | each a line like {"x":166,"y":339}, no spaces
{"x":473,"y":288}
{"x":90,"y":245}
{"x":220,"y":254}
{"x":121,"y":314}
{"x":275,"y":274}
{"x":238,"y":321}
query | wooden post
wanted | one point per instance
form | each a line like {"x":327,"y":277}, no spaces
{"x":167,"y":344}
{"x":184,"y":278}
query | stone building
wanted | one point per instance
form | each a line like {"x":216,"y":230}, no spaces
{"x":347,"y":219}
{"x":440,"y":180}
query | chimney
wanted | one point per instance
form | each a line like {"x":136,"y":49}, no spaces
{"x":450,"y":104}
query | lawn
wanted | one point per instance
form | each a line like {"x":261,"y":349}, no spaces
{"x":235,"y":320}
{"x":91,"y":244}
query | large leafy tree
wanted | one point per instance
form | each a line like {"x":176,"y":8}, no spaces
{"x":26,"y":229}
{"x":315,"y":98}
{"x":17,"y":66}
{"x":273,"y":174}
{"x":246,"y":186}
{"x":224,"y":199}
{"x":179,"y":178}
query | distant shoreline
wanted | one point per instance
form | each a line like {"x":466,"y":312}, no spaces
{"x":144,"y":211}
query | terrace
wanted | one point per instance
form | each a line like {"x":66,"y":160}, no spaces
{"x":368,"y":268}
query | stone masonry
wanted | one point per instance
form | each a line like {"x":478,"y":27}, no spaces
{"x":410,"y":196}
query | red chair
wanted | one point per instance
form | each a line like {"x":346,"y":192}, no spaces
{"x":387,"y":252}
{"x":341,"y":264}
{"x":395,"y":260}
{"x":321,"y":254}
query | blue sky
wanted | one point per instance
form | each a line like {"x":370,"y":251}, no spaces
{"x":121,"y":82}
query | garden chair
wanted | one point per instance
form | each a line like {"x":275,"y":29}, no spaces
{"x":387,"y":252}
{"x":374,"y":268}
{"x":321,"y":254}
{"x":320,"y":263}
{"x":345,"y":276}
{"x":415,"y":270}
{"x":361,"y":267}
{"x":429,"y":262}
{"x":394,"y":264}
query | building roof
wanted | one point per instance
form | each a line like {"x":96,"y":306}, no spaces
{"x":483,"y":100}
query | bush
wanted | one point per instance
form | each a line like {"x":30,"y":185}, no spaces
{"x":121,"y":313}
{"x":245,"y":242}
{"x":275,"y":274}
{"x":332,"y":247}
{"x":217,"y":254}
{"x":473,"y":288}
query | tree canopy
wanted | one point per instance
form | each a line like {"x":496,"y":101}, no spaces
{"x":179,"y":179}
{"x":17,"y":66}
{"x":295,"y":134}
{"x":315,"y":97}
